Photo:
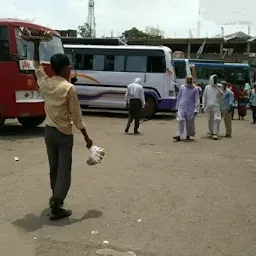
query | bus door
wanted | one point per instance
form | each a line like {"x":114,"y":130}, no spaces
{"x":171,"y":83}
{"x":156,"y":76}
{"x":182,"y":70}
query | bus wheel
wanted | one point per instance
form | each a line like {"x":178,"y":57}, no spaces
{"x":31,"y":121}
{"x":150,"y":108}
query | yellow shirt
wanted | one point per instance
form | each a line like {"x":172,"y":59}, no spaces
{"x":61,"y":106}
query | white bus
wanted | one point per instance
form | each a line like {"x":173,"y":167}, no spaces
{"x":102,"y":74}
{"x":182,"y":70}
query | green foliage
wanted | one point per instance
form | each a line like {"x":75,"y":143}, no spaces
{"x":134,"y":32}
{"x":150,"y":32}
{"x":154,"y":32}
{"x":85,"y":30}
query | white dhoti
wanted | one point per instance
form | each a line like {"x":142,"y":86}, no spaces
{"x":185,"y":120}
{"x":214,"y":119}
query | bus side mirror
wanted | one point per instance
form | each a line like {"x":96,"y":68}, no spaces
{"x":73,"y":80}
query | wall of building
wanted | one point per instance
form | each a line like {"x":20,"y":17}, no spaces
{"x":214,"y":48}
{"x":68,"y":33}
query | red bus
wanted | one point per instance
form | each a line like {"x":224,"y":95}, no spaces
{"x":20,"y":96}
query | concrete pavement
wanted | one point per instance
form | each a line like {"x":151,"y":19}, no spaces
{"x":150,"y":196}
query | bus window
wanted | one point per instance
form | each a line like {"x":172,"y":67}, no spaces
{"x":4,"y":44}
{"x":98,"y":62}
{"x":88,"y":61}
{"x":109,"y":63}
{"x":235,"y":74}
{"x":119,"y":63}
{"x":136,"y":64}
{"x":180,"y":69}
{"x":217,"y":71}
{"x":156,"y":64}
{"x":46,"y":50}
{"x":114,"y":63}
{"x":70,"y":57}
{"x":82,"y":61}
{"x":79,"y":61}
{"x":202,"y":73}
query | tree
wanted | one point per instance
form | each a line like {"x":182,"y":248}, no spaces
{"x":134,"y":32}
{"x":150,"y":32}
{"x":85,"y":30}
{"x":154,"y":32}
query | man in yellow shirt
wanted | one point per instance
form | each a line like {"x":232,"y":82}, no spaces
{"x":62,"y":109}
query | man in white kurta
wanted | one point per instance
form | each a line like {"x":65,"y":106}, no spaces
{"x":212,"y":98}
{"x":188,"y":104}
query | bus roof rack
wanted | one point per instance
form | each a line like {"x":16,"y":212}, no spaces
{"x":93,"y":41}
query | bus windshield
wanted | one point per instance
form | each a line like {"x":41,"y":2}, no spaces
{"x":47,"y":49}
{"x":180,"y":69}
{"x":240,"y":75}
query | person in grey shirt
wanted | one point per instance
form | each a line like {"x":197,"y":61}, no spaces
{"x":135,"y":102}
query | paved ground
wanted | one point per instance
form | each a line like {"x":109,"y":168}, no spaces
{"x":151,"y":196}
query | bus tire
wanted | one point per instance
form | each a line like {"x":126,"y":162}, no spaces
{"x":31,"y":121}
{"x":150,"y":108}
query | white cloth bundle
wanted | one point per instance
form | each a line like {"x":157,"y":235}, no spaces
{"x":96,"y":155}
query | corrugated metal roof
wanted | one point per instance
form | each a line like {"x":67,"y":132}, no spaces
{"x":251,"y":39}
{"x":237,"y":35}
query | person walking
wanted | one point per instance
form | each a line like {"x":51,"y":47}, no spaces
{"x":200,"y":90}
{"x":253,"y":104}
{"x":235,"y":92}
{"x":212,"y":98}
{"x":227,"y":107}
{"x":135,"y":102}
{"x":188,"y":105}
{"x":242,"y":102}
{"x":62,"y":109}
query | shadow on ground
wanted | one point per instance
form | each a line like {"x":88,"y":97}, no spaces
{"x":16,"y":132}
{"x":123,"y":115}
{"x":31,"y":222}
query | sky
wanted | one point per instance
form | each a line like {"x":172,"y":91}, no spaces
{"x":120,"y":15}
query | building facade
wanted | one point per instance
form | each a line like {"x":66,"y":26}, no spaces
{"x":237,"y":47}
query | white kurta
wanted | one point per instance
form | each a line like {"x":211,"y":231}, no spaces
{"x":212,"y":98}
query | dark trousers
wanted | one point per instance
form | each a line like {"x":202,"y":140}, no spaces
{"x":59,"y":149}
{"x":135,"y":109}
{"x":254,"y":114}
{"x":232,"y":112}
